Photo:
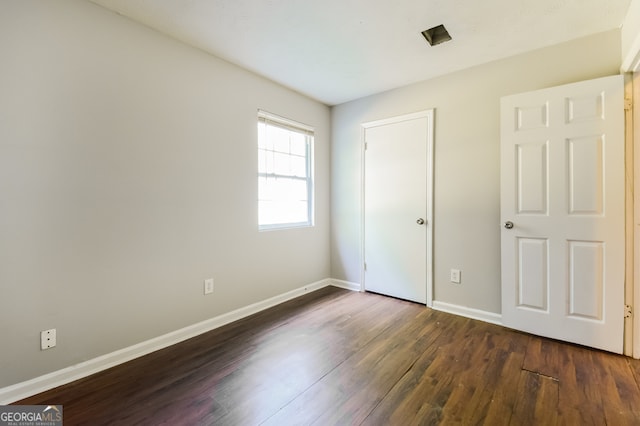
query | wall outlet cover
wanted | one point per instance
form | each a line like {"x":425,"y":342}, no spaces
{"x":48,"y":339}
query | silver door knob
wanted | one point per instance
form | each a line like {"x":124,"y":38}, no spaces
{"x":508,"y":224}
{"x":420,"y":221}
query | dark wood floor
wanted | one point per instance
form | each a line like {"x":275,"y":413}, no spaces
{"x":340,"y":357}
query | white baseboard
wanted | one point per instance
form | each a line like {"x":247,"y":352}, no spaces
{"x":34,"y":386}
{"x":346,"y":285}
{"x":43,"y":383}
{"x":464,"y":311}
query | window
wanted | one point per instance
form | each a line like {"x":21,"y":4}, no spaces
{"x":285,"y":185}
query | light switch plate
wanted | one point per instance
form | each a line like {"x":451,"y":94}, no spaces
{"x":208,"y":286}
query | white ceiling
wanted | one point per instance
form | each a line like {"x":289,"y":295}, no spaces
{"x":340,"y":50}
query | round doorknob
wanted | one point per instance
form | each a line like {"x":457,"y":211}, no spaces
{"x":420,"y":221}
{"x":508,"y":224}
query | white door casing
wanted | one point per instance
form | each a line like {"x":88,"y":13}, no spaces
{"x":397,"y":193}
{"x":562,"y":187}
{"x":635,"y":143}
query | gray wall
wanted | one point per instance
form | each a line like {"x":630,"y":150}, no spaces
{"x":467,"y":166}
{"x":127,"y":177}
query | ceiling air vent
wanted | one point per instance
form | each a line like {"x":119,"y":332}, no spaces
{"x":436,"y":35}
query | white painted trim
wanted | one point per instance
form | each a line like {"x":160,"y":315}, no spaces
{"x":464,"y":311}
{"x":34,"y":386}
{"x":399,"y":118}
{"x":347,"y":285}
{"x":430,"y":199}
{"x":631,"y":62}
{"x":636,"y":209}
{"x":363,"y":148}
{"x":429,"y":115}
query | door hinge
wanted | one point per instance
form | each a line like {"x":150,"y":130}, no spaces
{"x":365,"y":266}
{"x":366,"y":145}
{"x":628,"y":311}
{"x":628,"y":104}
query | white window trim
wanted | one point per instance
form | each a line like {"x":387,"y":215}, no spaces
{"x":276,"y":120}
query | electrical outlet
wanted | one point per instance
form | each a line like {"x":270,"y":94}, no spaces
{"x":455,"y":276}
{"x":48,"y":339}
{"x":208,"y":286}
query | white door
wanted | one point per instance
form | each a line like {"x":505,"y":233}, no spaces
{"x":397,"y":206}
{"x":562,"y":211}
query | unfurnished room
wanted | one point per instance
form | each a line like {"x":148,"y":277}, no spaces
{"x":286,"y":212}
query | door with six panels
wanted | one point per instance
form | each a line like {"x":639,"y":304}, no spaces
{"x":562,"y":212}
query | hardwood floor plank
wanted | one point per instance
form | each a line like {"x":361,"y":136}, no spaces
{"x":404,"y":403}
{"x":350,"y":391}
{"x":468,"y":405}
{"x":471,"y":373}
{"x":285,"y":363}
{"x":621,"y":401}
{"x":536,"y":400}
{"x":276,"y":377}
{"x":634,"y":365}
{"x":224,"y":356}
{"x":486,"y":378}
{"x":545,"y":356}
{"x":504,"y":397}
{"x":339,"y":357}
{"x":580,"y":389}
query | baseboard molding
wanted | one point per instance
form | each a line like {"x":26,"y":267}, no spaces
{"x":346,"y":285}
{"x":464,"y":311}
{"x":43,"y":383}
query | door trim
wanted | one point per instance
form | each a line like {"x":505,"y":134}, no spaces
{"x":633,"y":133}
{"x":631,"y":64}
{"x":429,"y":115}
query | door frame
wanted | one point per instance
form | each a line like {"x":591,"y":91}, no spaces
{"x":633,"y":224}
{"x":429,"y":162}
{"x":631,"y":65}
{"x":633,"y":269}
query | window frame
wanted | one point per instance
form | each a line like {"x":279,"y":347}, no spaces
{"x":270,"y":119}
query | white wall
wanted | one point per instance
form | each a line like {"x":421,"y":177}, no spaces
{"x":630,"y":37}
{"x":127,"y":176}
{"x":467,"y":167}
